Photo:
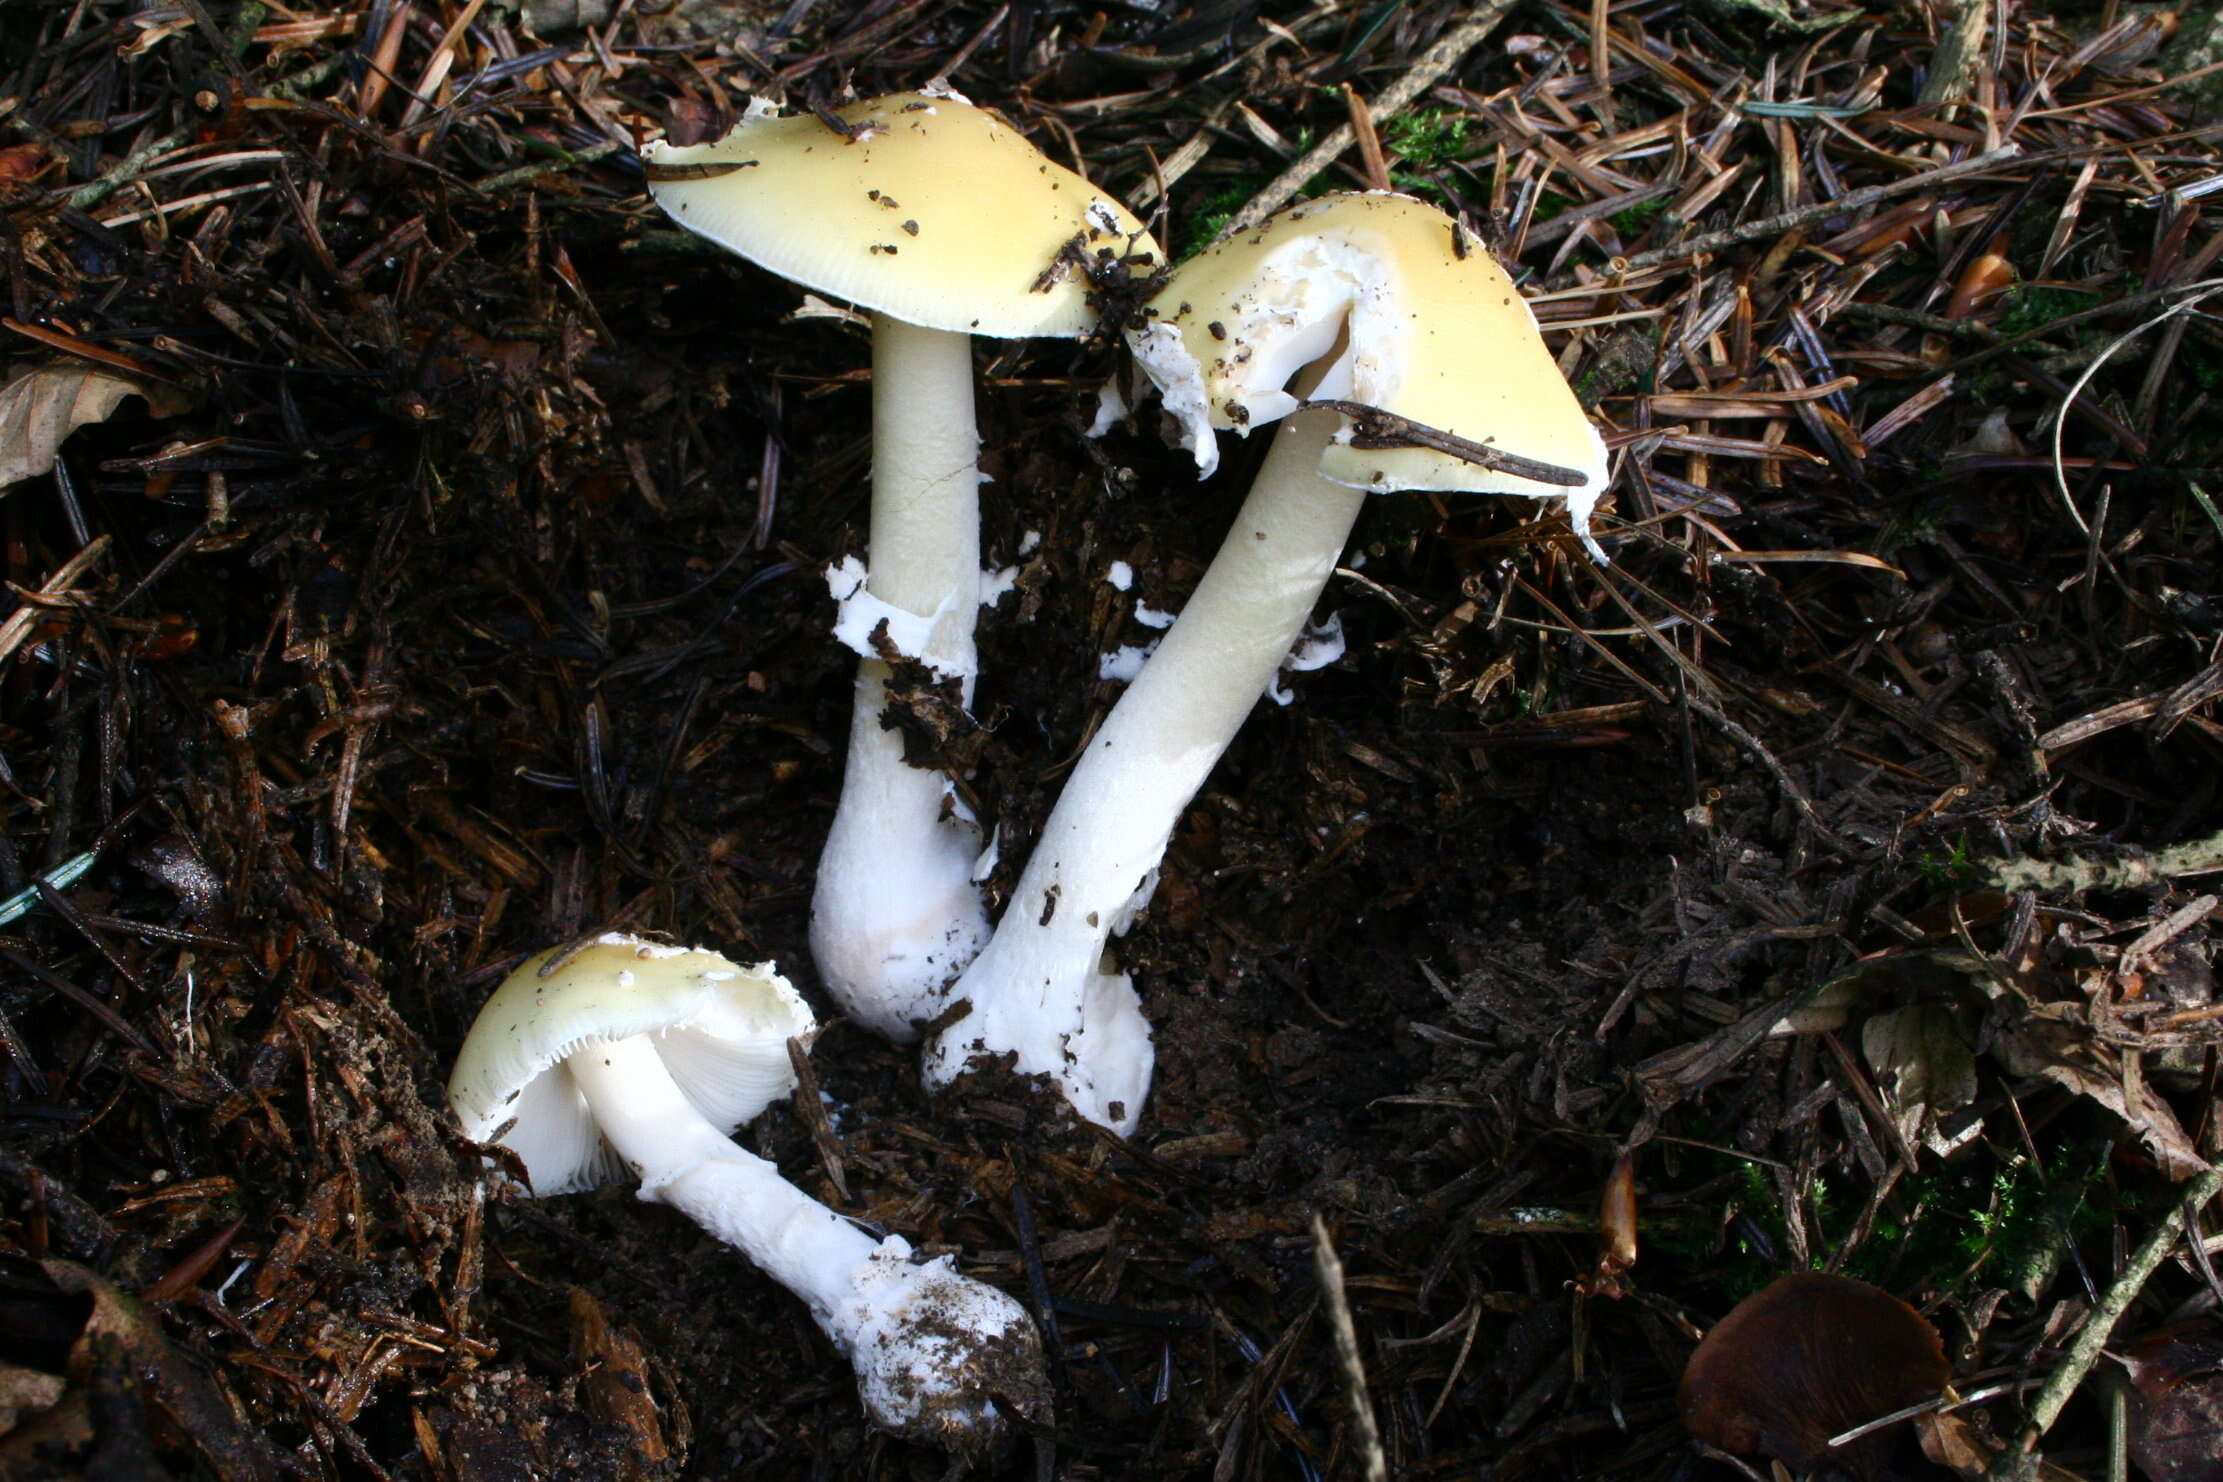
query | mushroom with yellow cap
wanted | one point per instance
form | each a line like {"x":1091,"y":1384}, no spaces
{"x":944,"y":223}
{"x":623,"y":1053}
{"x":1379,"y":304}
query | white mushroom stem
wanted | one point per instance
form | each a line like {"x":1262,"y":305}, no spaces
{"x":897,"y":915}
{"x":931,"y":1348}
{"x":1041,"y":988}
{"x":926,"y":482}
{"x":684,"y":1161}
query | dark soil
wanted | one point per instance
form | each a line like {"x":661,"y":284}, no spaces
{"x":467,"y":599}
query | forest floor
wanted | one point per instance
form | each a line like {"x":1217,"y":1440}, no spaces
{"x":436,"y":577}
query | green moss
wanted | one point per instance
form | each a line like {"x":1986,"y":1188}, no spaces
{"x":2202,"y":362}
{"x":1220,"y":206}
{"x":1631,"y":223}
{"x":1977,"y":1224}
{"x":1946,"y":871}
{"x":1430,"y":139}
{"x":1726,"y":1256}
{"x":2028,"y":306}
{"x":1427,"y":141}
{"x":1974,"y":1222}
{"x":1216,"y":211}
{"x":1413,"y":183}
{"x":1551,"y":203}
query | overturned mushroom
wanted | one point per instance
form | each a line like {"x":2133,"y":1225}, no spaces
{"x":944,"y":223}
{"x":627,"y":1053}
{"x":1389,"y":310}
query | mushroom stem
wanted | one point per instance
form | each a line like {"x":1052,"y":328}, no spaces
{"x":926,"y":483}
{"x":1041,"y":988}
{"x":896,"y":914}
{"x":935,"y":1353}
{"x":684,"y":1161}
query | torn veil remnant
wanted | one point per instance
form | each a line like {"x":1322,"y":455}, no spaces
{"x":944,"y":223}
{"x":1376,"y":304}
{"x":1401,"y":315}
{"x":632,"y":1055}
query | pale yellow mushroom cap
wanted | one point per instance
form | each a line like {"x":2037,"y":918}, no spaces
{"x":721,"y":1028}
{"x":1432,"y":331}
{"x":933,"y":212}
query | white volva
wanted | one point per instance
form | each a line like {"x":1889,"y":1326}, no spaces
{"x":654,"y":1054}
{"x":1376,"y":299}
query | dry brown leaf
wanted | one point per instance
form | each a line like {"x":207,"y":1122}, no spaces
{"x":1950,"y":1441}
{"x":2176,"y":1402}
{"x":1989,"y":275}
{"x":47,"y":403}
{"x":1924,"y":1065}
{"x":25,"y":1392}
{"x":192,"y":1400}
{"x":615,"y":1372}
{"x":1617,"y":1229}
{"x":19,"y":162}
{"x":2040,"y":1048}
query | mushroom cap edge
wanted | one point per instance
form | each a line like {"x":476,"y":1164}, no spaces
{"x":1230,"y":326}
{"x":931,"y":211}
{"x":721,"y":1028}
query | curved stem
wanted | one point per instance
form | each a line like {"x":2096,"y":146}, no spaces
{"x":1040,"y":988}
{"x":940,"y":1358}
{"x":896,"y":914}
{"x":684,"y":1161}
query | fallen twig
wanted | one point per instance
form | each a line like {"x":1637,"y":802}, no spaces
{"x":1449,"y":50}
{"x":2085,"y":1351}
{"x":2193,"y":857}
{"x":1369,"y":1442}
{"x":1371,"y":427}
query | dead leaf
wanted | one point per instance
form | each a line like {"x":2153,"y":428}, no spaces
{"x":2053,"y":1051}
{"x":2176,"y":1402}
{"x":1825,"y":1013}
{"x":25,"y":1392}
{"x":1924,"y":1065}
{"x":1950,"y":1441}
{"x":189,"y":1397}
{"x":19,"y":162}
{"x":615,"y":1372}
{"x":47,"y":403}
{"x":1617,"y":1224}
{"x":1989,"y":275}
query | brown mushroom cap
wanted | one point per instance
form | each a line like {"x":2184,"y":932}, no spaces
{"x":1810,"y":1357}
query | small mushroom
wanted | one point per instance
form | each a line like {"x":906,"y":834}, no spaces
{"x":944,"y":223}
{"x":628,"y":1054}
{"x":1810,"y":1357}
{"x":1378,"y":302}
